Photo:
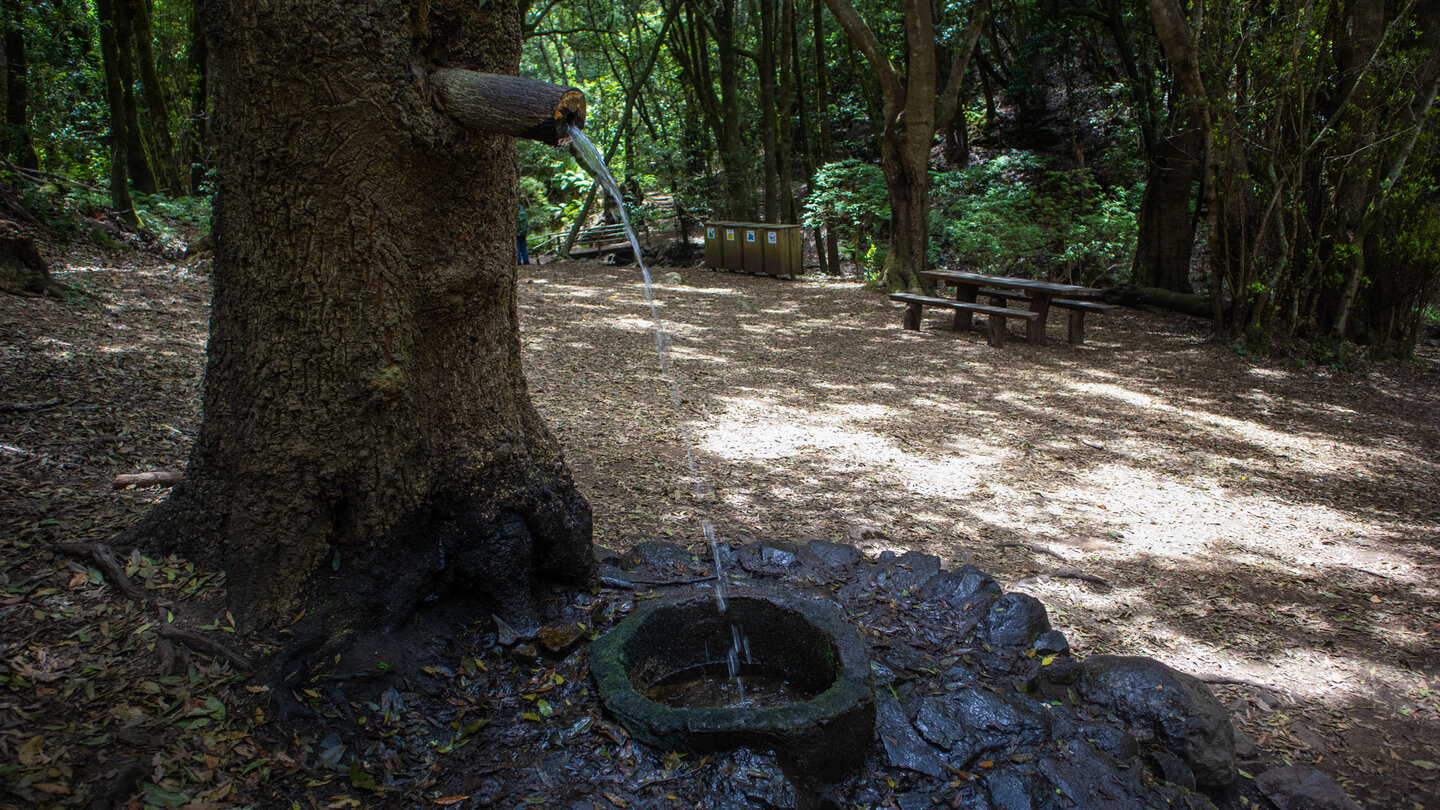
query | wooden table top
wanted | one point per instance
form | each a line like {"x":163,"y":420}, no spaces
{"x":1047,"y":288}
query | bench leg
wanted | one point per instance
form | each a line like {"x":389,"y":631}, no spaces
{"x":1077,"y":326}
{"x":1035,"y":329}
{"x":912,"y":315}
{"x":995,"y":330}
{"x":964,"y":318}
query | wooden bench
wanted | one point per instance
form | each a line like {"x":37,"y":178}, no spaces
{"x":1077,"y":310}
{"x":994,"y":327}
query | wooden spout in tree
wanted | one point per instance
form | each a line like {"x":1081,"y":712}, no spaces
{"x":509,"y":105}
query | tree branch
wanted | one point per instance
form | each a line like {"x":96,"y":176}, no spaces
{"x":864,"y":40}
{"x":948,"y":104}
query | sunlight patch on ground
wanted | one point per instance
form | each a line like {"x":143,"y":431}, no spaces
{"x":1312,"y":454}
{"x":755,"y":429}
{"x":1152,"y":515}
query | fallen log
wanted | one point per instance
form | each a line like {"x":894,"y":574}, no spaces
{"x":157,"y":478}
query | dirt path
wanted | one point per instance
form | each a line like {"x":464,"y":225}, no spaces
{"x":1257,"y":522}
{"x":1262,"y":523}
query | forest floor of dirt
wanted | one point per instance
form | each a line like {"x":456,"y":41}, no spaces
{"x":1270,"y":526}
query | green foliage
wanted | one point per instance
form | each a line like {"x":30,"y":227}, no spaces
{"x":849,"y":196}
{"x":1016,"y":216}
{"x":73,"y":210}
{"x":66,"y":84}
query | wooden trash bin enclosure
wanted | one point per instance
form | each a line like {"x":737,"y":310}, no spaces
{"x":760,"y":248}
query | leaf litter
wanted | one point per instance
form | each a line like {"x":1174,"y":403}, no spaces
{"x":816,"y":418}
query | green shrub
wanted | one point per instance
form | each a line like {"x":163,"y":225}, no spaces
{"x":848,"y":196}
{"x":1015,"y":215}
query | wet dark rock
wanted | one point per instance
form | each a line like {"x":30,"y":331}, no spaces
{"x":1297,"y":787}
{"x":959,"y":586}
{"x":1013,"y":789}
{"x":903,"y":658}
{"x":1052,"y":642}
{"x":525,"y":653}
{"x":1177,"y":708}
{"x":558,"y":638}
{"x":903,"y":746}
{"x":659,"y":555}
{"x":1084,"y":776}
{"x":1014,"y":620}
{"x":913,"y":801}
{"x":1245,"y":748}
{"x":1172,"y":769}
{"x":1064,"y":670}
{"x":768,"y":558}
{"x":973,"y":721}
{"x":909,"y":572}
{"x":1113,"y":740}
{"x":822,"y":554}
{"x":883,"y":675}
{"x":606,"y":556}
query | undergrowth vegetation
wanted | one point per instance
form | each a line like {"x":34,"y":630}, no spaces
{"x":1015,"y":214}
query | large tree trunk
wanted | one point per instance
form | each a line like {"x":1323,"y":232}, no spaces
{"x":905,"y":164}
{"x":17,"y":141}
{"x":1166,"y":227}
{"x":368,"y":440}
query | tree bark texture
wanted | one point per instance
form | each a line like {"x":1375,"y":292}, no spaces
{"x":914,"y":105}
{"x":158,"y":112}
{"x":17,"y":142}
{"x":510,"y":105}
{"x":368,"y":440}
{"x":1166,"y":227}
{"x":137,"y":164}
{"x":115,"y":101}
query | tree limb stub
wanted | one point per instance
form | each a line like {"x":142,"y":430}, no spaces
{"x":509,"y":105}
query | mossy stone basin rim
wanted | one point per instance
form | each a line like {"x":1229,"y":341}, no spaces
{"x":818,"y":740}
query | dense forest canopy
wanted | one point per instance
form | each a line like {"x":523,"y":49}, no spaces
{"x":1276,"y":161}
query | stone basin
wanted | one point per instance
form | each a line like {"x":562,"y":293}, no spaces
{"x":817,"y":740}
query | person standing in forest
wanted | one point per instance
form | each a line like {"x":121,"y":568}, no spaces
{"x":522,"y":229}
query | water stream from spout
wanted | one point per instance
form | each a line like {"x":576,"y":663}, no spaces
{"x":590,"y":158}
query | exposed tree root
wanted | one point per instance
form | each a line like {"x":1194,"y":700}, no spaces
{"x":1035,"y":547}
{"x":100,"y":554}
{"x":1066,"y":572}
{"x":202,"y":644}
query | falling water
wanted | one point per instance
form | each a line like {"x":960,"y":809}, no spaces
{"x":591,"y":159}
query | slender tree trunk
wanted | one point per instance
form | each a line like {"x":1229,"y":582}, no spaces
{"x":738,"y":186}
{"x":136,"y":162}
{"x":17,"y":142}
{"x":784,"y":149}
{"x":367,"y":440}
{"x":159,"y":114}
{"x":115,"y":100}
{"x":824,"y":149}
{"x":768,"y":144}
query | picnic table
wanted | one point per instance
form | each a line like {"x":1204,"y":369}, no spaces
{"x":1040,"y":296}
